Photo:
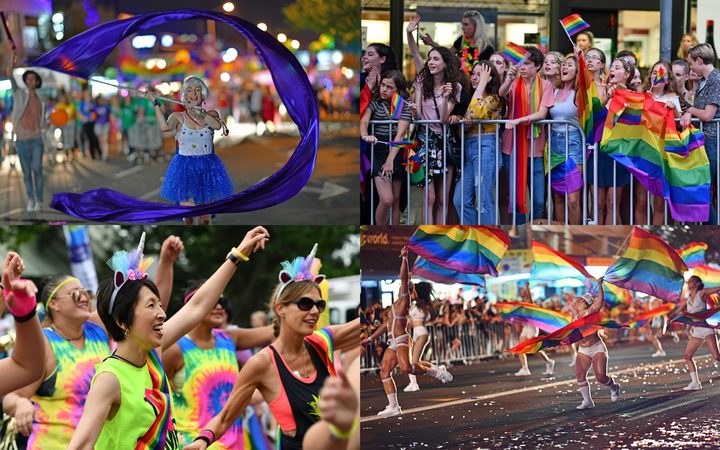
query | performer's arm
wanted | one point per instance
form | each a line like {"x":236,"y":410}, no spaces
{"x":172,"y":124}
{"x":211,"y":118}
{"x":170,"y":250}
{"x":251,"y":337}
{"x":404,"y":273}
{"x":10,"y":67}
{"x":598,"y":303}
{"x":709,"y":291}
{"x":104,"y":394}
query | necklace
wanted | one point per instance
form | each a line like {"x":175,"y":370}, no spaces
{"x":193,"y":119}
{"x":116,"y":356}
{"x":82,"y":335}
{"x":303,"y":360}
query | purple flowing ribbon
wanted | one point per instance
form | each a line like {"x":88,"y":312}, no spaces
{"x":81,"y":55}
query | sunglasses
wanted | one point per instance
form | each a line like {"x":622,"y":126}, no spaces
{"x":77,"y":294}
{"x":306,"y":304}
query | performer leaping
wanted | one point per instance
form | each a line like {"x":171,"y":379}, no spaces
{"x":696,"y":302}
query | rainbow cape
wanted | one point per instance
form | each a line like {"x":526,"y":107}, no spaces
{"x":642,"y":318}
{"x":591,"y":112}
{"x":461,"y":248}
{"x":705,"y":319}
{"x":396,"y":106}
{"x":432,"y":272}
{"x":533,"y":315}
{"x":574,"y":24}
{"x":709,"y":275}
{"x":550,"y":264}
{"x":640,"y":134}
{"x":694,"y":254}
{"x":515,"y":53}
{"x":648,"y":265}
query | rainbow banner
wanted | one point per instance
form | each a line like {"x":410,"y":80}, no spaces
{"x":642,"y":318}
{"x":573,"y":24}
{"x":432,"y":272}
{"x":648,"y":265}
{"x":635,"y":134}
{"x":616,"y":296}
{"x":461,"y":248}
{"x":565,"y":175}
{"x":660,"y":76}
{"x":709,"y":275}
{"x":533,"y":315}
{"x":550,"y":264}
{"x":693,"y":254}
{"x":396,"y":106}
{"x":515,"y":53}
{"x":591,"y":111}
{"x":705,"y":319}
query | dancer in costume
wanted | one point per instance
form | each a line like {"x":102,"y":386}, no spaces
{"x":419,"y":314}
{"x":49,"y":409}
{"x":290,"y":372}
{"x":592,"y":352}
{"x":195,"y":175}
{"x":202,"y":367}
{"x":696,"y":302}
{"x":529,"y":332}
{"x":18,"y":296}
{"x":128,"y":405}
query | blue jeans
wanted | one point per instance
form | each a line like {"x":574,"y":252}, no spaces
{"x":712,"y":152}
{"x":30,"y":153}
{"x":536,"y":165}
{"x":478,"y":203}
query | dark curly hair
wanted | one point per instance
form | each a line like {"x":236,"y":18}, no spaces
{"x":450,"y":73}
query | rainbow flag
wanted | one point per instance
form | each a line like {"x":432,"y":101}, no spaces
{"x":569,"y":334}
{"x":648,"y":265}
{"x":533,"y":315}
{"x":642,"y":318}
{"x":616,"y":296}
{"x":705,"y":319}
{"x":694,"y":254}
{"x":574,"y":24}
{"x":515,"y":53}
{"x":660,"y":76}
{"x":396,"y":106}
{"x":709,"y":275}
{"x":591,"y":111}
{"x":550,"y":264}
{"x":405,"y":143}
{"x":432,"y":272}
{"x":565,"y":175}
{"x":635,"y":134}
{"x":461,"y":248}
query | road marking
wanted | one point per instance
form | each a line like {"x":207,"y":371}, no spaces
{"x":129,"y":171}
{"x":656,"y":411}
{"x":525,"y":389}
{"x":10,"y":213}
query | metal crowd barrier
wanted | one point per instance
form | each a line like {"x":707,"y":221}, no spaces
{"x":549,"y":203}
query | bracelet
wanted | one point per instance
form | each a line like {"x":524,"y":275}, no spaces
{"x":342,"y":435}
{"x":206,"y":435}
{"x":236,"y":251}
{"x":156,"y":102}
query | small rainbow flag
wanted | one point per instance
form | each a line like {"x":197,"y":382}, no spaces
{"x":432,"y":272}
{"x":515,"y":53}
{"x":396,"y":106}
{"x":710,"y":276}
{"x":574,"y":24}
{"x":694,"y":254}
{"x":405,"y":143}
{"x":461,"y":248}
{"x":659,"y":311}
{"x":648,"y":265}
{"x":550,"y":264}
{"x":705,"y":319}
{"x":533,"y":315}
{"x":660,"y":76}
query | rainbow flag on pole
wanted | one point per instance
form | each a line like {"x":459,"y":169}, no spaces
{"x":648,"y":265}
{"x":461,"y":248}
{"x":694,"y":254}
{"x":515,"y":53}
{"x":574,"y":24}
{"x":709,"y":275}
{"x":550,"y":264}
{"x":397,"y":103}
{"x":533,"y":315}
{"x":432,"y":272}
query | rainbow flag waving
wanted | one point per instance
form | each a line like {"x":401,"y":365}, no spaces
{"x":397,"y":103}
{"x":709,"y":275}
{"x":515,"y":53}
{"x":616,"y":296}
{"x":660,"y":76}
{"x":573,"y":24}
{"x":550,"y":264}
{"x":591,"y":112}
{"x":461,"y":248}
{"x":705,"y":319}
{"x":642,"y":318}
{"x":533,"y":315}
{"x":432,"y":272}
{"x":648,"y":265}
{"x":694,"y":254}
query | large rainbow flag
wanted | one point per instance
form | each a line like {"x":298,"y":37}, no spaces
{"x":694,"y":254}
{"x":590,"y":110}
{"x":550,"y":264}
{"x":461,"y":248}
{"x":709,"y":275}
{"x":648,"y":265}
{"x":640,"y":134}
{"x":432,"y":272}
{"x":705,"y":319}
{"x":533,"y":315}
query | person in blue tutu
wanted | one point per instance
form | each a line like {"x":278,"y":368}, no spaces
{"x":195,"y":175}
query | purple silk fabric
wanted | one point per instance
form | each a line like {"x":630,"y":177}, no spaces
{"x":81,"y":55}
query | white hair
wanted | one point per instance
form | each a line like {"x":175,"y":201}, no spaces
{"x":204,"y":91}
{"x":479,"y":38}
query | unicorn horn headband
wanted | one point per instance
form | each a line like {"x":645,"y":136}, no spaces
{"x":300,"y":269}
{"x":128,"y":266}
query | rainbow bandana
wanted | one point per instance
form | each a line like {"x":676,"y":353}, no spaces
{"x":300,"y":269}
{"x":128,"y":266}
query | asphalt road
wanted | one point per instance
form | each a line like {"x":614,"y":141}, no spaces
{"x":486,"y":407}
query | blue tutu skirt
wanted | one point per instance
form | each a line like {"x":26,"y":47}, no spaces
{"x":203,"y":179}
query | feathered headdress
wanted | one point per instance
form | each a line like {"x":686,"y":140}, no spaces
{"x":128,"y":266}
{"x":300,"y":269}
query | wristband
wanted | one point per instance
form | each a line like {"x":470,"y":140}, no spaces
{"x":342,"y":435}
{"x":206,"y":435}
{"x":236,"y":251}
{"x":23,"y":307}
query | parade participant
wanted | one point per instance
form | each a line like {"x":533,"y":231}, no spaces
{"x":585,"y":40}
{"x":551,"y":69}
{"x":25,"y":364}
{"x":88,"y":116}
{"x":592,"y":352}
{"x":128,"y":405}
{"x":49,"y":409}
{"x":655,"y":328}
{"x":290,"y":372}
{"x":696,"y":302}
{"x":102,"y":125}
{"x":67,"y":130}
{"x":195,"y":175}
{"x":419,"y":314}
{"x":529,"y":332}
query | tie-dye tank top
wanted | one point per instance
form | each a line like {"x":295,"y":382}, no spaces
{"x":144,"y":419}
{"x":209,"y":379}
{"x":60,"y":400}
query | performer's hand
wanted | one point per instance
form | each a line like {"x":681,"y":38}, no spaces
{"x":254,"y":240}
{"x":197,"y":445}
{"x":404,"y":252}
{"x":171,"y":248}
{"x":338,"y":402}
{"x":24,"y":415}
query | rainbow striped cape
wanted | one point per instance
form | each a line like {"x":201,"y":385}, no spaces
{"x":709,"y":275}
{"x":550,"y":264}
{"x":694,"y":254}
{"x":432,"y":272}
{"x":533,"y":315}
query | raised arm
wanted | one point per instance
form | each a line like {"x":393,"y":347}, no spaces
{"x":104,"y":393}
{"x":404,"y":272}
{"x":169,"y":252}
{"x":598,"y":303}
{"x":172,"y":124}
{"x":414,"y":49}
{"x":10,"y":67}
{"x":509,"y":78}
{"x":346,"y":336}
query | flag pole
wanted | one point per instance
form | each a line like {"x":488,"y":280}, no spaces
{"x":7,"y":30}
{"x":566,"y":32}
{"x":160,"y":97}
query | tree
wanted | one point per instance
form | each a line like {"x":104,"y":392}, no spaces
{"x":336,"y":17}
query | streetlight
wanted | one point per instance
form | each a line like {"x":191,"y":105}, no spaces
{"x":228,"y":7}
{"x":262,"y":26}
{"x":282,"y":37}
{"x":295,"y":44}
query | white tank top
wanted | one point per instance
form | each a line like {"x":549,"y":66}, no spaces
{"x":696,"y":304}
{"x":417,"y":314}
{"x":194,"y":142}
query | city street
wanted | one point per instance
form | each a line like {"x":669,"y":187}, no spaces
{"x":485,"y":406}
{"x":249,"y":159}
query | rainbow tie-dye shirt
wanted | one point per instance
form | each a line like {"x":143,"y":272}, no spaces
{"x":59,"y":405}
{"x":209,"y":379}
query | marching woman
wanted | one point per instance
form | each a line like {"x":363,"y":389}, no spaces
{"x":128,"y":405}
{"x":290,"y":372}
{"x":696,"y":302}
{"x":419,"y":314}
{"x":592,"y":352}
{"x":529,"y":332}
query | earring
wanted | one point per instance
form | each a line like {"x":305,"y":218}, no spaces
{"x":126,"y":332}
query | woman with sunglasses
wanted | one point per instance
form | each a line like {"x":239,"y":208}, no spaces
{"x":290,"y":372}
{"x":48,"y":410}
{"x":202,"y":367}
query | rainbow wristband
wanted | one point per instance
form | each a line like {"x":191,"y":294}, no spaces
{"x":343,"y":435}
{"x":236,"y":251}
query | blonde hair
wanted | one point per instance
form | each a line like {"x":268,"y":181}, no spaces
{"x":558,"y":57}
{"x":703,"y":51}
{"x":682,"y":53}
{"x":291,"y":292}
{"x":479,"y":38}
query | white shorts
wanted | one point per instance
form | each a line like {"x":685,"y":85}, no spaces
{"x":598,"y":347}
{"x":700,"y":332}
{"x":400,"y":341}
{"x":420,"y":331}
{"x":528,"y":332}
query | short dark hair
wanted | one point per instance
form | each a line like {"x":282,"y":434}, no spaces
{"x":124,"y":306}
{"x":536,"y":55}
{"x":25,"y":74}
{"x":386,"y":51}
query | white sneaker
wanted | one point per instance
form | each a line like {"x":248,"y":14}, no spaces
{"x":676,"y":338}
{"x":585,"y":405}
{"x":523,"y":372}
{"x":549,"y":367}
{"x":390,"y":411}
{"x":693,"y":386}
{"x":659,"y":354}
{"x":614,"y":392}
{"x":30,"y":206}
{"x":38,"y":206}
{"x":412,"y":387}
{"x":443,"y":375}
